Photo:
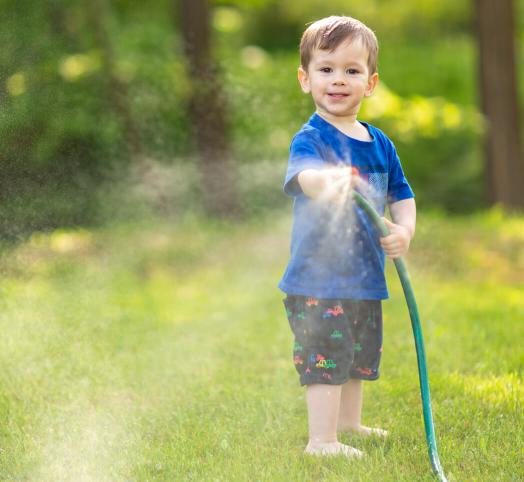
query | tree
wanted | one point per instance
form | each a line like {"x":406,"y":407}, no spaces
{"x":206,"y":109}
{"x":499,"y":98}
{"x":115,"y":90}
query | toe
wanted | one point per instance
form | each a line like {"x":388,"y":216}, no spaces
{"x":352,"y":452}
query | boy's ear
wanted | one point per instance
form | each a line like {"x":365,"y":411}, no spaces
{"x":304,"y":80}
{"x":372,"y":83}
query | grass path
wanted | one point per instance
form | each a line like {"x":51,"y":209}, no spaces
{"x":161,"y":352}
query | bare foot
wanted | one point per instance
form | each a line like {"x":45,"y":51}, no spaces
{"x":365,"y":431}
{"x":333,"y":448}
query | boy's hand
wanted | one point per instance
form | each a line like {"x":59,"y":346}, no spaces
{"x":332,"y":185}
{"x":338,"y":182}
{"x":396,"y":243}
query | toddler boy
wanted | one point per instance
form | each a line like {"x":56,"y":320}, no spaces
{"x":335,"y":277}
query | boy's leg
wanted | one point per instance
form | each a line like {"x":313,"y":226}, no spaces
{"x":323,"y":404}
{"x":367,"y":335}
{"x":350,"y":404}
{"x":350,"y":414}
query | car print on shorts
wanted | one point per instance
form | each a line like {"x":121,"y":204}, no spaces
{"x":322,"y":362}
{"x":336,"y":334}
{"x":298,"y":360}
{"x":311,"y":302}
{"x":335,"y":311}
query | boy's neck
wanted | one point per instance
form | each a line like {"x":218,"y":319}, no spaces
{"x":348,"y":125}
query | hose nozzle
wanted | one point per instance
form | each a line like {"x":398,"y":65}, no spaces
{"x":355,"y":177}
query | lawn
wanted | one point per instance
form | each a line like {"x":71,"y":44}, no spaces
{"x":161,"y":351}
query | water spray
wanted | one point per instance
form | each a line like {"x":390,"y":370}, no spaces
{"x":409,"y":294}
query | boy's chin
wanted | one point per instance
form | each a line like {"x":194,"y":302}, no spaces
{"x":341,"y":113}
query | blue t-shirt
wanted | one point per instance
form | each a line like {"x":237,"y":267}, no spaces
{"x":335,"y":250}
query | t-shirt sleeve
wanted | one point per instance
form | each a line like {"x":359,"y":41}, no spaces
{"x":305,"y":152}
{"x":398,"y":187}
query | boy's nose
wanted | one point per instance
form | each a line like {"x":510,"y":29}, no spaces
{"x":339,"y":80}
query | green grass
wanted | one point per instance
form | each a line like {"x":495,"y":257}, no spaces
{"x":161,"y":351}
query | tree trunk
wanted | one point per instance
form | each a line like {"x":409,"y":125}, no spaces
{"x":206,"y":110}
{"x":499,"y":97}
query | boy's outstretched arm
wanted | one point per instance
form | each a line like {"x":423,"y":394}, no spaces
{"x":401,"y":230}
{"x":326,"y":184}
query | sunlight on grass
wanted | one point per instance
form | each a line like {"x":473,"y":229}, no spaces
{"x":63,"y":242}
{"x":493,"y":390}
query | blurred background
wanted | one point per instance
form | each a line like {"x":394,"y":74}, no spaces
{"x":143,"y":148}
{"x":121,"y":109}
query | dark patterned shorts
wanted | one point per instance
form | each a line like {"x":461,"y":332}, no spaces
{"x":335,"y":340}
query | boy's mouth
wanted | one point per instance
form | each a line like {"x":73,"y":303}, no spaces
{"x":337,"y":95}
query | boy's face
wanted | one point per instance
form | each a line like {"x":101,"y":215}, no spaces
{"x":338,"y":80}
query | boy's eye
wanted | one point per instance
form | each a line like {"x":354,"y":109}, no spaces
{"x":352,"y":71}
{"x":327,"y":70}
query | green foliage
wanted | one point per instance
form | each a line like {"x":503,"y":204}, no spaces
{"x":279,"y":25}
{"x":63,"y":135}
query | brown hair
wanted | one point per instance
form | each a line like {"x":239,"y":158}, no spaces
{"x":328,"y":33}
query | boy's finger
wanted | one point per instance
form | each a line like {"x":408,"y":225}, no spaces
{"x":393,"y":252}
{"x":388,"y":238}
{"x":391,"y":244}
{"x":388,"y":244}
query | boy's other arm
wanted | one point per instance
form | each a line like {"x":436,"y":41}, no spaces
{"x":401,"y":230}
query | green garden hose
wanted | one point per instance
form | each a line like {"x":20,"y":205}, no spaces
{"x":417,"y":334}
